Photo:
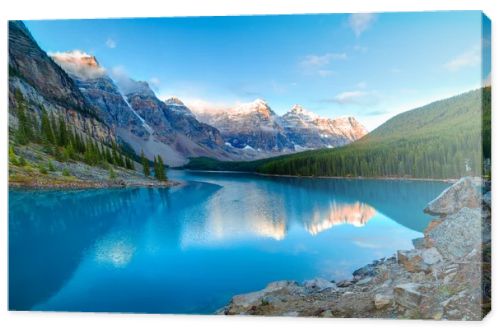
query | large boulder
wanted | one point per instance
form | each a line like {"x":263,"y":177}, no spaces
{"x":245,"y":301}
{"x":412,"y":261}
{"x":319,"y":284}
{"x":464,"y":193}
{"x":382,"y":300}
{"x":458,"y":234}
{"x":408,"y":295}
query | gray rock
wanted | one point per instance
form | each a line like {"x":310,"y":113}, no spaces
{"x":248,"y":299}
{"x":364,"y":281}
{"x":256,"y":298}
{"x":382,"y":300}
{"x":460,"y":195}
{"x":408,"y":295}
{"x":431,"y":256}
{"x":277,"y":285}
{"x":344,"y":284}
{"x":412,"y":261}
{"x":270,"y":300}
{"x":291,"y":314}
{"x":319,"y":284}
{"x":418,"y":243}
{"x":367,"y":270}
{"x":458,"y":234}
{"x":327,"y":314}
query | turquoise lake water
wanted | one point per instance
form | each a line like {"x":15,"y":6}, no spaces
{"x":190,"y":248}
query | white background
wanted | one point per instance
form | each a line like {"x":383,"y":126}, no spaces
{"x":32,"y":322}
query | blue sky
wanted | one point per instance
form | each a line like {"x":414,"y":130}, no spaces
{"x":371,"y":66}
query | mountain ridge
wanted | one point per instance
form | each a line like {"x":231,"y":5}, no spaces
{"x":439,"y":140}
{"x":255,"y":125}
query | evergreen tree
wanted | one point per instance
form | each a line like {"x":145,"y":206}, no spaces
{"x":129,"y":164}
{"x":109,"y":156}
{"x":160,"y":169}
{"x":46,"y":128}
{"x":55,"y":128}
{"x":24,"y":133}
{"x":145,"y":164}
{"x":121,"y":161}
{"x":63,"y":132}
{"x":155,"y":166}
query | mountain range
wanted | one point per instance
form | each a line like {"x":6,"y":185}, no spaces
{"x":444,"y":139}
{"x":256,"y":127}
{"x":73,"y":84}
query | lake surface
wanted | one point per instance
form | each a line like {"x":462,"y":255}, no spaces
{"x":190,"y":248}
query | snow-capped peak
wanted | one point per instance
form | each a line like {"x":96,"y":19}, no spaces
{"x":174,"y":100}
{"x":302,"y":113}
{"x":257,"y":106}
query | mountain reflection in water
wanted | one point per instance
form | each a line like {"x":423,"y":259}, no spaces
{"x":357,"y":214}
{"x":190,"y":248}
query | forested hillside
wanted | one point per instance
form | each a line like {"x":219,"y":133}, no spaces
{"x":439,"y":140}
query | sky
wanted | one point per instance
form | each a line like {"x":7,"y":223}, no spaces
{"x":370,"y":66}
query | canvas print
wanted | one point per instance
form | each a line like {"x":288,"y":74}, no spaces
{"x":327,"y":165}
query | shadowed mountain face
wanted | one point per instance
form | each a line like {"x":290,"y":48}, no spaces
{"x":74,"y":85}
{"x":44,"y":85}
{"x":174,"y":125}
{"x":101,"y":92}
{"x":139,"y":118}
{"x":37,"y":69}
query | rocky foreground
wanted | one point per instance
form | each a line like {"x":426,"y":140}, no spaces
{"x":447,"y":275}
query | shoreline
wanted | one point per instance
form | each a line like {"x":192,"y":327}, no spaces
{"x":449,"y":180}
{"x":440,"y":277}
{"x":83,"y":185}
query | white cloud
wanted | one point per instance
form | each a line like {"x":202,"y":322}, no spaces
{"x":128,"y":85}
{"x":469,"y":58}
{"x":358,"y":97}
{"x":200,"y":107}
{"x":321,"y":60}
{"x":79,"y":64}
{"x":325,"y":73}
{"x":155,"y":83}
{"x":318,"y":64}
{"x":360,"y":48}
{"x":111,"y":43}
{"x":360,"y":22}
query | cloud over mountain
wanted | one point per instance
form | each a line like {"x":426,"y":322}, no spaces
{"x":79,"y":64}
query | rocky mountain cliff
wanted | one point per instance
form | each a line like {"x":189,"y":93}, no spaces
{"x":42,"y":84}
{"x":174,"y":125}
{"x":308,"y":130}
{"x":138,"y":117}
{"x":101,"y":92}
{"x":255,"y":126}
{"x":251,"y":126}
{"x":73,"y":84}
